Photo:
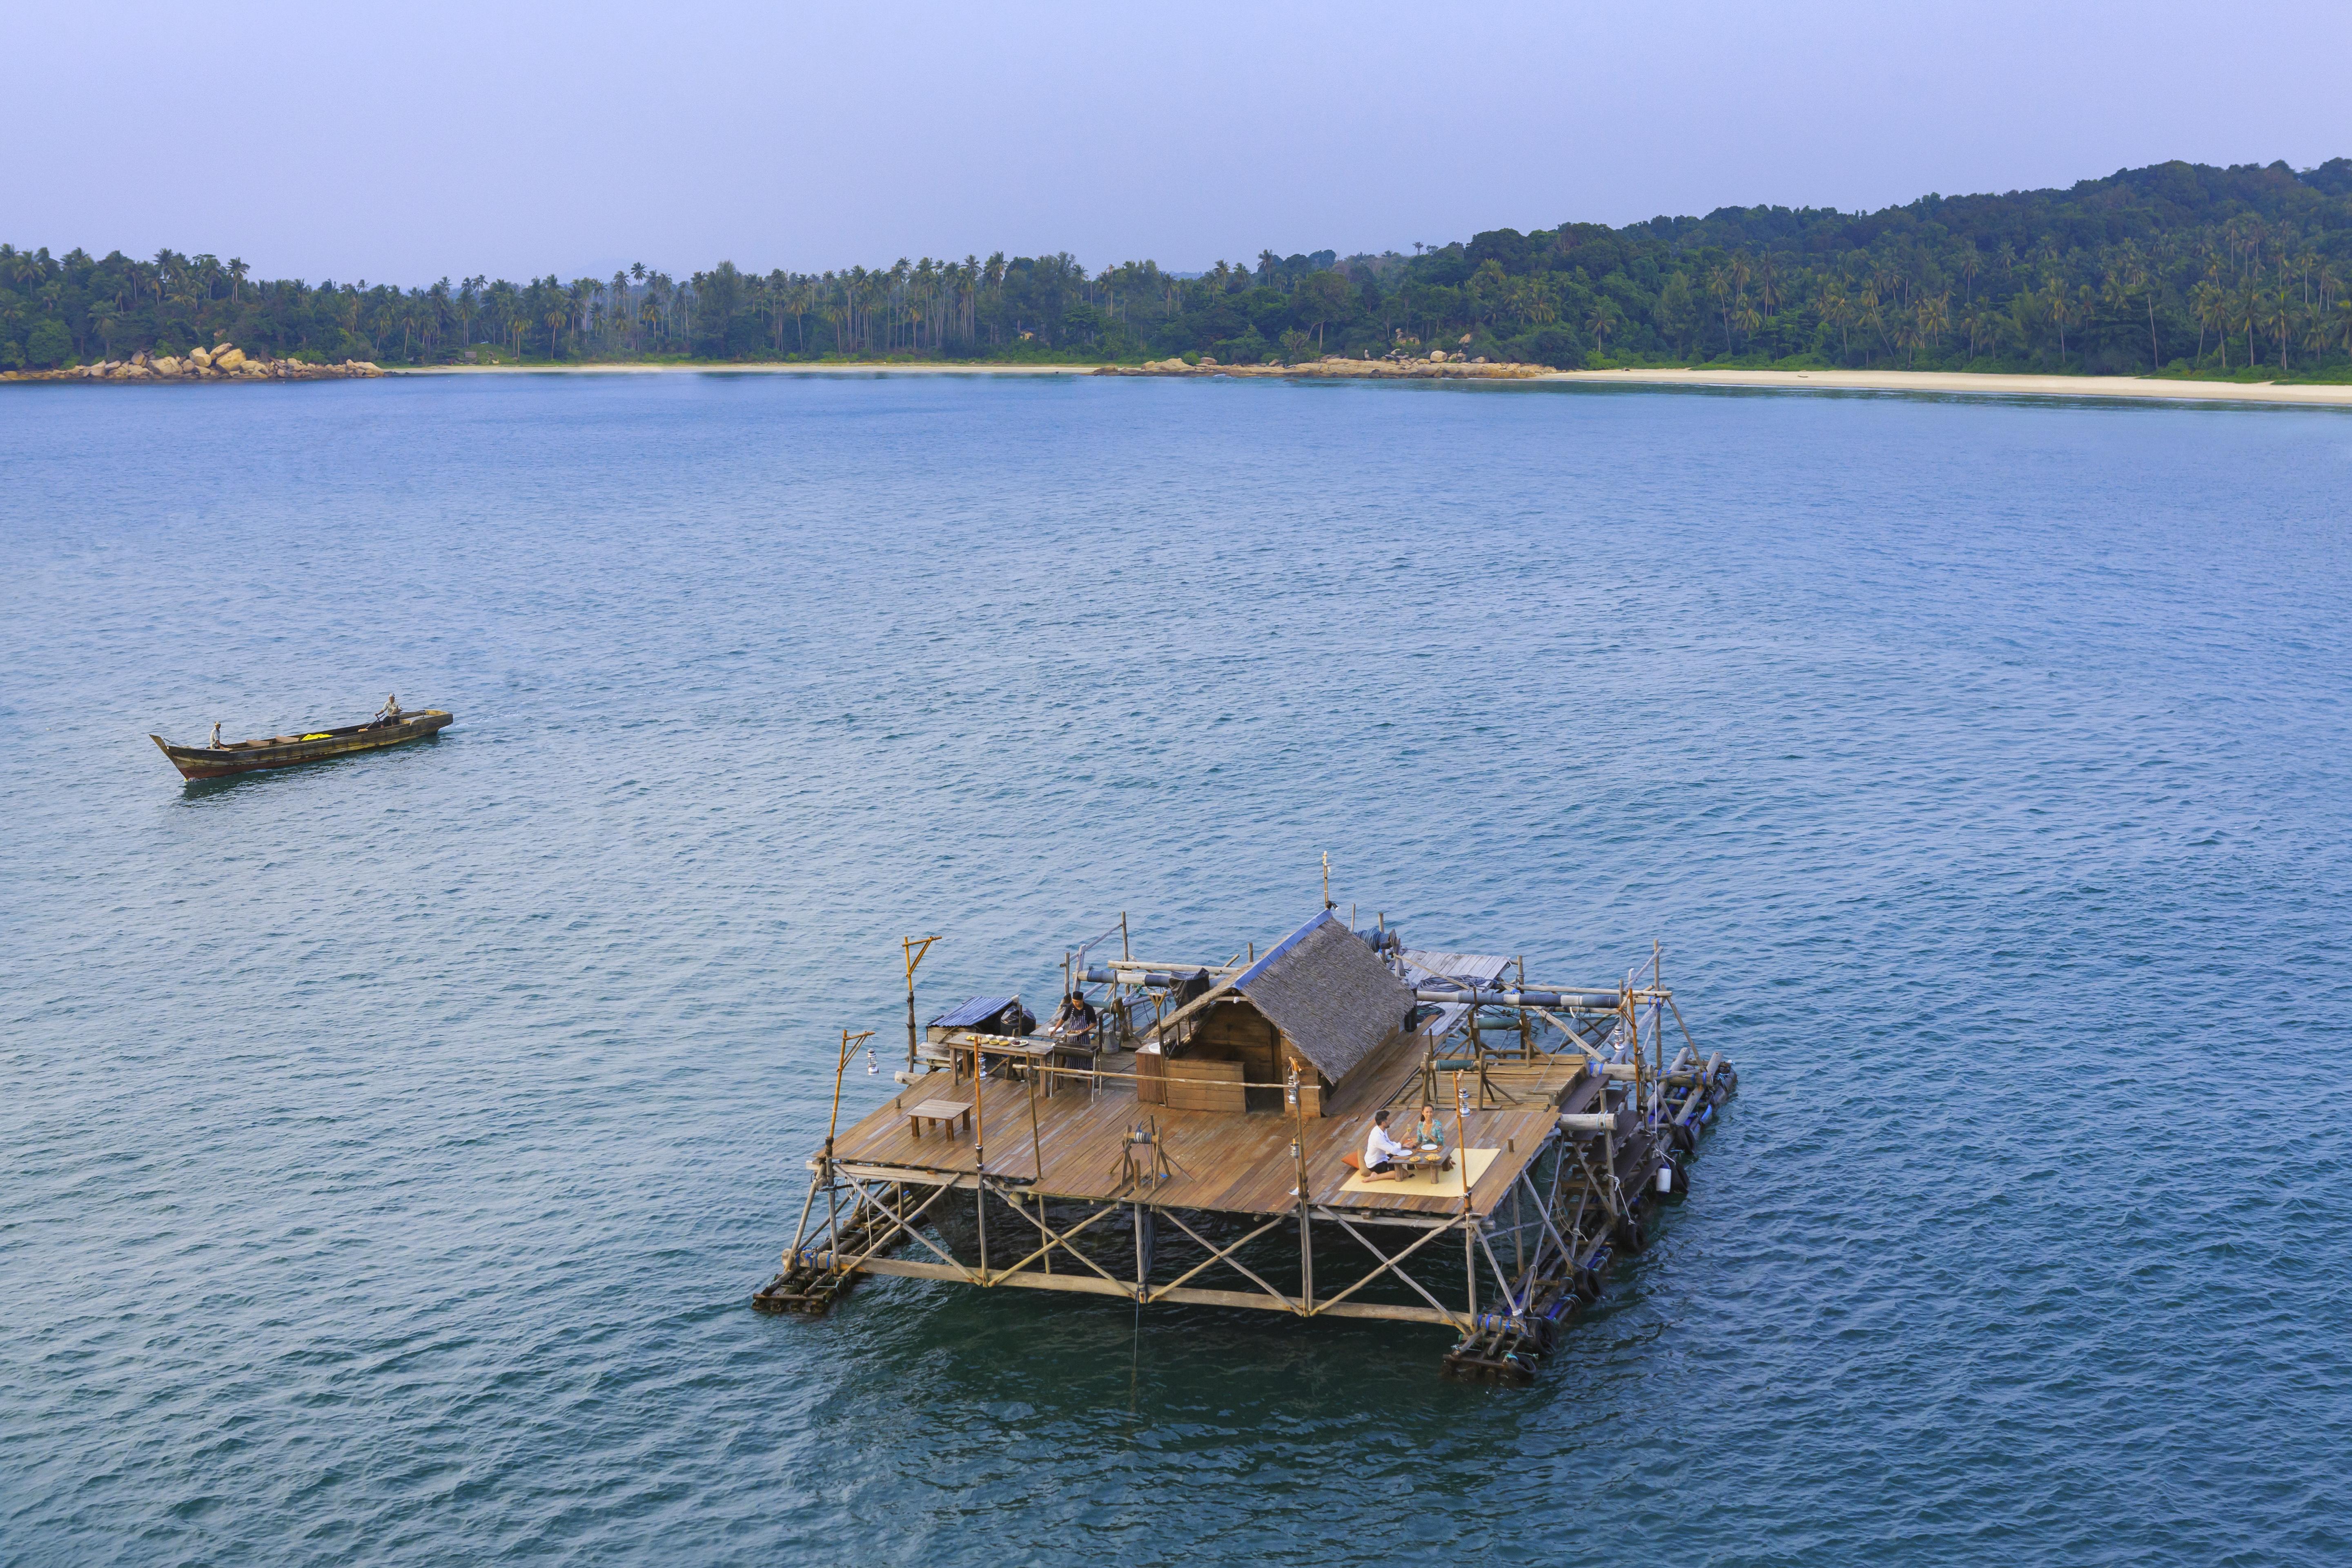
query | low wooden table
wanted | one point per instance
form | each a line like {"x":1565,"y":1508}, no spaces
{"x":943,"y":1111}
{"x":1432,"y":1162}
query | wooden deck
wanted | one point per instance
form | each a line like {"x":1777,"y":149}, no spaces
{"x":1070,"y":1145}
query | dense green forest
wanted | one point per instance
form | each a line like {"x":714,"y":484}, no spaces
{"x":2175,"y":268}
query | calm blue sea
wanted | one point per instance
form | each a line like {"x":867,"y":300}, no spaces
{"x":388,"y":1149}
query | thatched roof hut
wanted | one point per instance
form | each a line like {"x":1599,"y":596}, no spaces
{"x":1319,"y":997}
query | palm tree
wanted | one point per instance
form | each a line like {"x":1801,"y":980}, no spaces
{"x":1866,"y":312}
{"x":2278,"y":314}
{"x":1936,"y":317}
{"x":1601,"y":321}
{"x":1905,"y":335}
{"x":1838,"y":311}
{"x":2211,"y":307}
{"x":2242,"y":311}
{"x":2061,"y":311}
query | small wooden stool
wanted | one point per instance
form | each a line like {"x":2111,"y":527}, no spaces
{"x":943,"y":1111}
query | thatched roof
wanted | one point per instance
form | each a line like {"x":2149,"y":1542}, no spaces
{"x":1334,"y":1001}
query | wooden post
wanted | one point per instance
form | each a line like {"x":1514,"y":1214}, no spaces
{"x":1036,"y":1149}
{"x":914,"y":955}
{"x":1298,"y":1160}
{"x":1526,"y":1023}
{"x":1469,"y":1222}
{"x":849,"y":1044}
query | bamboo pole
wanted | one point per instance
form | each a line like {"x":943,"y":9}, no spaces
{"x":913,"y":955}
{"x":1037,"y":1149}
{"x":1305,"y":1217}
{"x":1469,"y":1224}
{"x":849,"y":1044}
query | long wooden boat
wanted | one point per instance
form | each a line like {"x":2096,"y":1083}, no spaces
{"x":390,"y":729}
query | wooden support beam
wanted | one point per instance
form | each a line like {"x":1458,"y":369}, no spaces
{"x":1389,"y":1265}
{"x":1062,"y":1239}
{"x":1231,"y":1262}
{"x":1217,"y":1255}
{"x":1079,"y":1284}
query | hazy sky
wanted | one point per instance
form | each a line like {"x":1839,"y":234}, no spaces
{"x":401,"y":142}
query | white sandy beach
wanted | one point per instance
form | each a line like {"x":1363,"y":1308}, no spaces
{"x":1943,"y":383}
{"x":1949,"y":382}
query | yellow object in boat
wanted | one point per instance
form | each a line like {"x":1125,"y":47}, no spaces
{"x":318,"y":737}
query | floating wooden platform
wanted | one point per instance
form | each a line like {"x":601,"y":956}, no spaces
{"x":1197,"y":1142}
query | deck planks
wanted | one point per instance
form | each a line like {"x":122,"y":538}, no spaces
{"x":1228,"y":1162}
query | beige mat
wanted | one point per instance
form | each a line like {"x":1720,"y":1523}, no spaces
{"x":1430,"y":1184}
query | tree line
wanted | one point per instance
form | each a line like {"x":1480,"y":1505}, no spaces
{"x":2175,"y":267}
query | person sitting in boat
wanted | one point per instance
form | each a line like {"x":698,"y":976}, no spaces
{"x":390,"y":712}
{"x":1430,"y":1133}
{"x":216,"y":724}
{"x":1384,"y":1157}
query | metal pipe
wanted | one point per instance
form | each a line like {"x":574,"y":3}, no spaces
{"x":1591,"y":1001}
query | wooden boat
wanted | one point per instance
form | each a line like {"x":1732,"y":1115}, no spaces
{"x":389,"y":728}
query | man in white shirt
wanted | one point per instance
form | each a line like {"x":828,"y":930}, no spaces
{"x":1382,"y":1154}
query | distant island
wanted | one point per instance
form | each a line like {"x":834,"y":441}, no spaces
{"x":2177,"y":270}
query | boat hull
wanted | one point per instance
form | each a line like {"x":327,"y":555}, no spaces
{"x":219,"y":761}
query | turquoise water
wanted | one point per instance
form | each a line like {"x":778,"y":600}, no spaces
{"x":390,"y":1148}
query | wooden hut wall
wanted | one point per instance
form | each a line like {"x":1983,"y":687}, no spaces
{"x":1237,"y":1032}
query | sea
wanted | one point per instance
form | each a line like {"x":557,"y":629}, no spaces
{"x":389,"y":1148}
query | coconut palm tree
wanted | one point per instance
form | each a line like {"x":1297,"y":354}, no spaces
{"x":1935,"y":318}
{"x":2242,"y":311}
{"x":2210,"y":306}
{"x":1838,"y":311}
{"x":2278,"y":314}
{"x":1601,"y":321}
{"x":1718,"y":289}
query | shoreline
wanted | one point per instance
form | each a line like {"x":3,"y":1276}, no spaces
{"x":1972,"y":383}
{"x":755,"y":367}
{"x":1926,"y":383}
{"x":1930,"y":382}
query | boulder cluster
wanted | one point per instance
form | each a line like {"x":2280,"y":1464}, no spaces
{"x":1437,"y":365}
{"x":221,"y":362}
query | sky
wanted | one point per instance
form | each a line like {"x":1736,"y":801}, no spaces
{"x":405,"y":143}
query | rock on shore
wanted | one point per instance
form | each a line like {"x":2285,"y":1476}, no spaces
{"x":1436,"y":367}
{"x":221,"y":362}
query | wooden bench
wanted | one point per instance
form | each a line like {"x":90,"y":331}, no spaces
{"x":943,"y":1111}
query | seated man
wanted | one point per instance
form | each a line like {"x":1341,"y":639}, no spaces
{"x":1383,"y":1155}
